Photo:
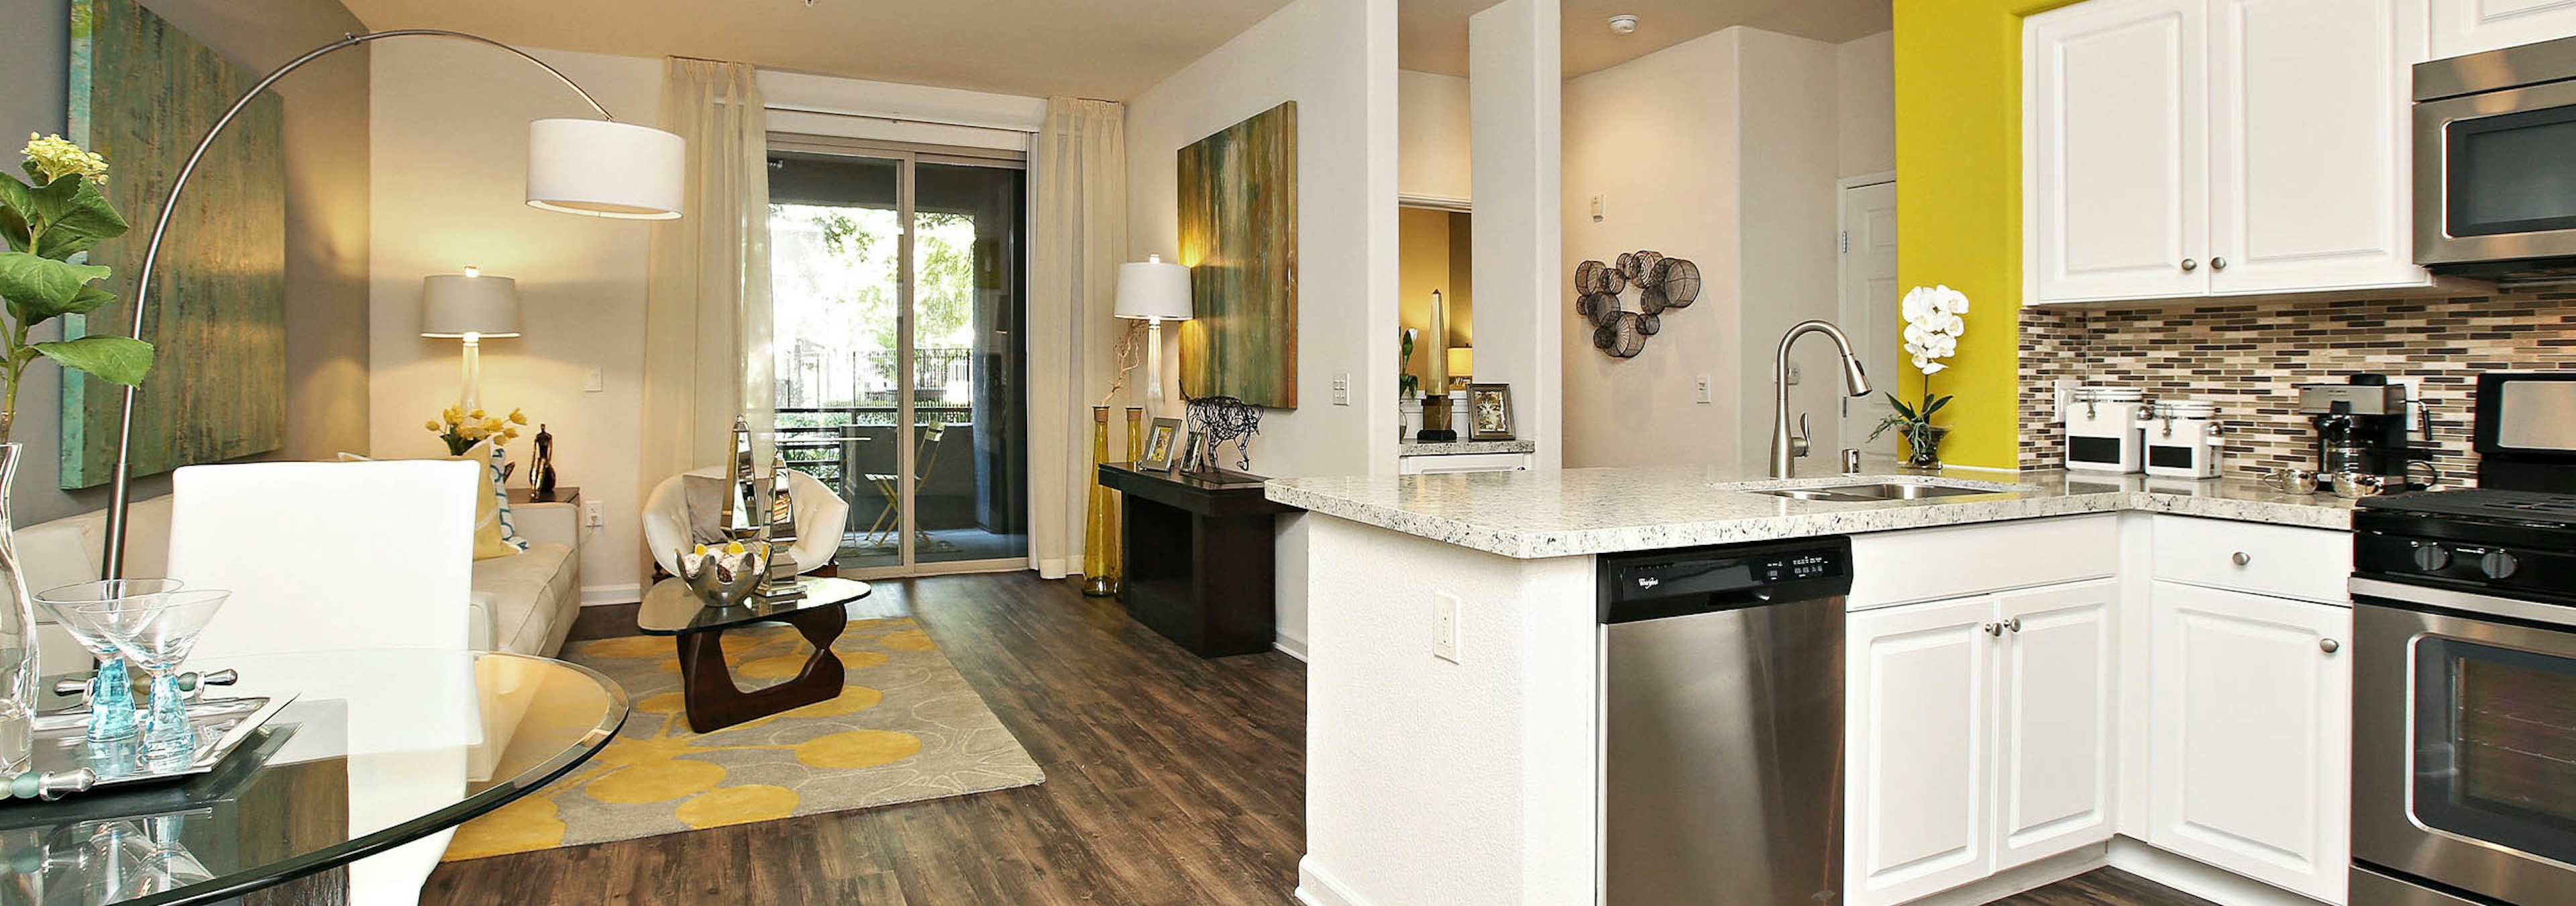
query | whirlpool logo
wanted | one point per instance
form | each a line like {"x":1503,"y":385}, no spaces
{"x":1646,"y":582}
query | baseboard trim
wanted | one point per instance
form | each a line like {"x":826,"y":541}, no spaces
{"x":1291,"y":647}
{"x":594,"y":595}
{"x":2200,"y":879}
{"x":1316,"y":887}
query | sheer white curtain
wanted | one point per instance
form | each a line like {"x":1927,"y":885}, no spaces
{"x":1079,"y":191}
{"x":706,"y":308}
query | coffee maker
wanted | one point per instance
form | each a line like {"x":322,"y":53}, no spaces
{"x":2368,"y":425}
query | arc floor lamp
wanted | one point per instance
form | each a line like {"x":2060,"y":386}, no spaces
{"x":598,"y":168}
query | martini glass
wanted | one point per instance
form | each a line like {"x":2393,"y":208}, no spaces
{"x":111,"y":698}
{"x":158,"y":632}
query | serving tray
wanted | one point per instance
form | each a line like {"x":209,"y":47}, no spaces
{"x":221,"y":725}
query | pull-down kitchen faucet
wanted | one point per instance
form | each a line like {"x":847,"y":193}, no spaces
{"x":1787,"y":447}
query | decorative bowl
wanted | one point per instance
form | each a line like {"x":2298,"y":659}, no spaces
{"x":723,"y":576}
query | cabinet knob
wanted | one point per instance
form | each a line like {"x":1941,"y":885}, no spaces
{"x":2242,"y":558}
{"x":2189,"y":265}
{"x":1993,"y":629}
{"x":2218,"y":264}
{"x":2329,"y":646}
{"x":2013,"y":624}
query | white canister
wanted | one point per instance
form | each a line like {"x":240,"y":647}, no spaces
{"x":2184,"y":439}
{"x":2105,"y":430}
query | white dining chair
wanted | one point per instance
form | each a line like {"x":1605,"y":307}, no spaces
{"x":337,"y":556}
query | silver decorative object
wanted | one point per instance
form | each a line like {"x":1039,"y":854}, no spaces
{"x":721,"y":576}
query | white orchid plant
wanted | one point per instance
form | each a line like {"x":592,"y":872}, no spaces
{"x":1935,"y":318}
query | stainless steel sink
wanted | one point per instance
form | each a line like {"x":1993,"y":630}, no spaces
{"x":1864,"y":493}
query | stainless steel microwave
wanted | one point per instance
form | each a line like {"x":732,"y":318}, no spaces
{"x":2495,"y":164}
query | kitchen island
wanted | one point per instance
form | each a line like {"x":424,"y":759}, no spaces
{"x":1472,"y":775}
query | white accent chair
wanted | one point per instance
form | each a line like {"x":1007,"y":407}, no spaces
{"x":820,"y":516}
{"x":340,"y":556}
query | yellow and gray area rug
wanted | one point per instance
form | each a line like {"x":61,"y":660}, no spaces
{"x":907,"y":727}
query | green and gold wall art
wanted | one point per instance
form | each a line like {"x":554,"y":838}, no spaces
{"x":142,"y":94}
{"x":1239,"y":237}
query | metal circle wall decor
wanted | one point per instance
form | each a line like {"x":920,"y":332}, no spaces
{"x":1662,"y":284}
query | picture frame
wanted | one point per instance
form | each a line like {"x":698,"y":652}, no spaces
{"x":1162,"y":444}
{"x":1489,"y":412}
{"x":1194,"y":453}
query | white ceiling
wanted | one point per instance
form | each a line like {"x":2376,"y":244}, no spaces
{"x":1026,"y":47}
{"x":1434,"y":32}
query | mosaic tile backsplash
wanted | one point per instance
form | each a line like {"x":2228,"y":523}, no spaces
{"x":2247,"y":356}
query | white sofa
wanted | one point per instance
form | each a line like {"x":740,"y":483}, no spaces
{"x":523,"y":603}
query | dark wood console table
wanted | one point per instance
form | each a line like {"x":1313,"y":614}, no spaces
{"x":1200,"y":556}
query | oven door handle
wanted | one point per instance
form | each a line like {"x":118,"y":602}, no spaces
{"x":2465,"y":602}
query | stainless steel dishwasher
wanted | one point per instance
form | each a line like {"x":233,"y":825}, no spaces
{"x":1722,"y":749}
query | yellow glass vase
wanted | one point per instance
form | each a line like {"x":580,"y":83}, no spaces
{"x":1100,"y":526}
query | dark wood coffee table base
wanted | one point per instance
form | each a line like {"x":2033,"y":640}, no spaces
{"x":714,"y":702}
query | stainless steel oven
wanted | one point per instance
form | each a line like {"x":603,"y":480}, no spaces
{"x":2464,"y":747}
{"x":2464,"y":669}
{"x":2495,"y":189}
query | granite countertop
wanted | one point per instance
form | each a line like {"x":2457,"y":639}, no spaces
{"x":1467,"y":446}
{"x":1574,"y":512}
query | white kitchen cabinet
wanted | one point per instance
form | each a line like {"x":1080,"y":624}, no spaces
{"x":2476,"y":26}
{"x":1919,"y":728}
{"x":1980,"y":736}
{"x":2185,"y":148}
{"x":2249,"y":735}
{"x":2054,"y":786}
{"x":2119,"y":167}
{"x":2310,"y":144}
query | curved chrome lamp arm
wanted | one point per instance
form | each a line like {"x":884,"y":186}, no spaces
{"x":120,"y":499}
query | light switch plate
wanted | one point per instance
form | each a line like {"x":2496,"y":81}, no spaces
{"x":1342,"y":389}
{"x":594,"y":512}
{"x":1444,"y":626}
{"x":1703,"y":390}
{"x":595,"y":382}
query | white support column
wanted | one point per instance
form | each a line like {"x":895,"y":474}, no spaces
{"x":1516,"y":133}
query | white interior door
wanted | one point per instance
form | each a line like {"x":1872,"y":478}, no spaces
{"x":1920,"y":733}
{"x":1869,"y":305}
{"x":2310,"y":162}
{"x":2118,"y":159}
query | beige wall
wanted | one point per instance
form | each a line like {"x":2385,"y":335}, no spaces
{"x":327,"y":217}
{"x":1432,"y":137}
{"x":1725,"y":150}
{"x":451,"y":142}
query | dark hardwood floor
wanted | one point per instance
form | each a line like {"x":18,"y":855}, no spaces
{"x":2104,"y":887}
{"x":1170,"y":779}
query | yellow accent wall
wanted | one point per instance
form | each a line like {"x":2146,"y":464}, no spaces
{"x":1958,"y":203}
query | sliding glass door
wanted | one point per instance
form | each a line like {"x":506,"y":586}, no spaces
{"x":897,"y":276}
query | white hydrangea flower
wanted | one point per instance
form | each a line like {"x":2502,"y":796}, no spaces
{"x":1933,"y":325}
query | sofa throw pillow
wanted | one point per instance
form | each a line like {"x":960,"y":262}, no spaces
{"x":494,"y":535}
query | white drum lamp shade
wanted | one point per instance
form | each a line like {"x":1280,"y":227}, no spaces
{"x":605,"y":169}
{"x":471,"y":303}
{"x":1153,"y":290}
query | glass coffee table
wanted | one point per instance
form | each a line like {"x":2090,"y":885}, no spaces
{"x":707,"y":688}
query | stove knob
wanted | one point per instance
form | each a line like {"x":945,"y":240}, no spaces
{"x":2498,"y":565}
{"x":2432,"y":558}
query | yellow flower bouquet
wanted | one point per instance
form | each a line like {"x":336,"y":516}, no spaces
{"x":462,"y":428}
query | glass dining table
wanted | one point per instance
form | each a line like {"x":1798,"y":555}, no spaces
{"x":377,"y":749}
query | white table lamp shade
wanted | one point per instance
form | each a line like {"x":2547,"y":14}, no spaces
{"x":605,"y":169}
{"x":1154,"y":290}
{"x":454,"y":305}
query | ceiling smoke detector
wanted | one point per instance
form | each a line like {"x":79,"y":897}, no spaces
{"x":1623,"y":25}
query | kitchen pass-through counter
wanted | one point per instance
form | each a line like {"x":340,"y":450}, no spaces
{"x":1458,"y":674}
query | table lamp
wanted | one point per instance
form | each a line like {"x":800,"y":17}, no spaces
{"x":1462,"y":365}
{"x":592,"y":167}
{"x":470,"y":306}
{"x":1154,"y":292}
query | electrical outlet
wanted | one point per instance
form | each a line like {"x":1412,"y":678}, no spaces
{"x":1444,"y":626}
{"x":1600,"y":208}
{"x":594,"y":512}
{"x":597,"y":381}
{"x":2064,"y":390}
{"x":1342,"y":389}
{"x":1796,"y":375}
{"x":1703,"y":390}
